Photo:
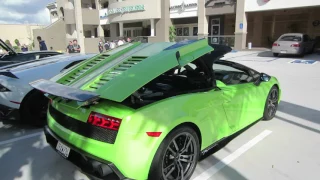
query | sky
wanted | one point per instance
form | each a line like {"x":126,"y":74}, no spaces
{"x":24,"y":11}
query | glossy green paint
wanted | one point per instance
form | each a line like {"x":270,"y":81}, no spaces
{"x":88,"y":66}
{"x":116,"y":82}
{"x":217,"y":113}
{"x":217,"y":117}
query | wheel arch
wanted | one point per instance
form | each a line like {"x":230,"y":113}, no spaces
{"x":194,"y":127}
{"x":26,"y":97}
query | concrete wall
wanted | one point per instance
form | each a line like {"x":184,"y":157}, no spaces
{"x":22,"y":32}
{"x":91,"y":45}
{"x":152,"y":10}
{"x":54,"y":36}
{"x":262,"y":5}
{"x":90,"y":17}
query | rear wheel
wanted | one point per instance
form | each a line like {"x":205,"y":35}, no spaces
{"x":275,"y":54}
{"x":271,"y":105}
{"x":177,"y":156}
{"x":34,"y":109}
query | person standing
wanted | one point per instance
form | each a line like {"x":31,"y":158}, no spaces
{"x":76,"y":46}
{"x":70,"y":47}
{"x":100,"y":46}
{"x":42,"y":44}
{"x":112,"y":45}
{"x":107,"y":45}
{"x":120,"y":42}
{"x":24,"y":48}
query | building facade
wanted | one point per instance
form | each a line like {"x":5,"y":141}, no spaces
{"x":230,"y":22}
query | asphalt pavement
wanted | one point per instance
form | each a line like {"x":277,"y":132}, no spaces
{"x":284,"y":148}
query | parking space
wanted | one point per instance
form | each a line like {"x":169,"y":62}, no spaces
{"x":286,"y":147}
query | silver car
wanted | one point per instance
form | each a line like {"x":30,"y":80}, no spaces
{"x":293,"y":43}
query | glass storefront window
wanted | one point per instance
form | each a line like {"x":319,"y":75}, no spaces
{"x":195,"y":31}
{"x":186,"y":31}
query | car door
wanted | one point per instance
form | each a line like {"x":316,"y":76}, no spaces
{"x":241,"y":104}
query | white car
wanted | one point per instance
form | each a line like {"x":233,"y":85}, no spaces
{"x":18,"y":99}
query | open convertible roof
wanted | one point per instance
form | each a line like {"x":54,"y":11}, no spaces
{"x":118,"y":73}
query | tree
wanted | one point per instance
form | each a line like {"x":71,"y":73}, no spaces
{"x":17,"y":42}
{"x":172,"y":33}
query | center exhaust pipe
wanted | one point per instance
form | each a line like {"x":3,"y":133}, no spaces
{"x":101,"y":169}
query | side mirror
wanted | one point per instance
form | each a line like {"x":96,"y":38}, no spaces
{"x":263,"y":78}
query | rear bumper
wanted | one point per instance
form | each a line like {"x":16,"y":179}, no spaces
{"x":89,"y":164}
{"x":286,"y":51}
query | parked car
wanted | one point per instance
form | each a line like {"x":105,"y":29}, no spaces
{"x":149,"y":110}
{"x":12,"y":57}
{"x":17,"y":97}
{"x":293,"y":44}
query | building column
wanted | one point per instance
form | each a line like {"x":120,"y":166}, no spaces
{"x":311,"y":18}
{"x":257,"y":30}
{"x":113,"y":31}
{"x":273,"y":26}
{"x":241,"y":26}
{"x":202,"y":19}
{"x":162,"y":26}
{"x":152,"y":27}
{"x":121,"y":29}
{"x":99,"y":29}
{"x":79,"y":25}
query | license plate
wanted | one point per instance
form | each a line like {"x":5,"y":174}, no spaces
{"x":63,"y":149}
{"x":283,"y":52}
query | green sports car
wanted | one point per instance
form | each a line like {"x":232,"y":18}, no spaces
{"x":150,"y":110}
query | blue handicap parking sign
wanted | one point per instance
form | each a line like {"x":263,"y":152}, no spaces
{"x":303,"y":61}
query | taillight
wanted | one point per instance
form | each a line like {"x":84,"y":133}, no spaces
{"x":295,"y":45}
{"x":104,"y":121}
{"x":276,"y":44}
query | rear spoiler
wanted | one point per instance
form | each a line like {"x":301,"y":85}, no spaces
{"x":65,"y":92}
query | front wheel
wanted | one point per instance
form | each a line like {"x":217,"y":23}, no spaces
{"x":271,"y":105}
{"x":275,"y":54}
{"x":177,"y":156}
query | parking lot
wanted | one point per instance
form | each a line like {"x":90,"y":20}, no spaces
{"x":286,"y":147}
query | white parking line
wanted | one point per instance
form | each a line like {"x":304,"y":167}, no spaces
{"x":20,"y":138}
{"x":227,"y":160}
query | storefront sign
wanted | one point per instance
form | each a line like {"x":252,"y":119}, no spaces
{"x":183,"y":5}
{"x":127,"y":9}
{"x":212,"y":3}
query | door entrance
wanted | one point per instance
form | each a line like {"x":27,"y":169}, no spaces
{"x":215,"y":31}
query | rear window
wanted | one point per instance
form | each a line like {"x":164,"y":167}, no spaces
{"x":290,"y":38}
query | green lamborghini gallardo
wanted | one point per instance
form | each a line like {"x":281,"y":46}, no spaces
{"x":150,"y":110}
